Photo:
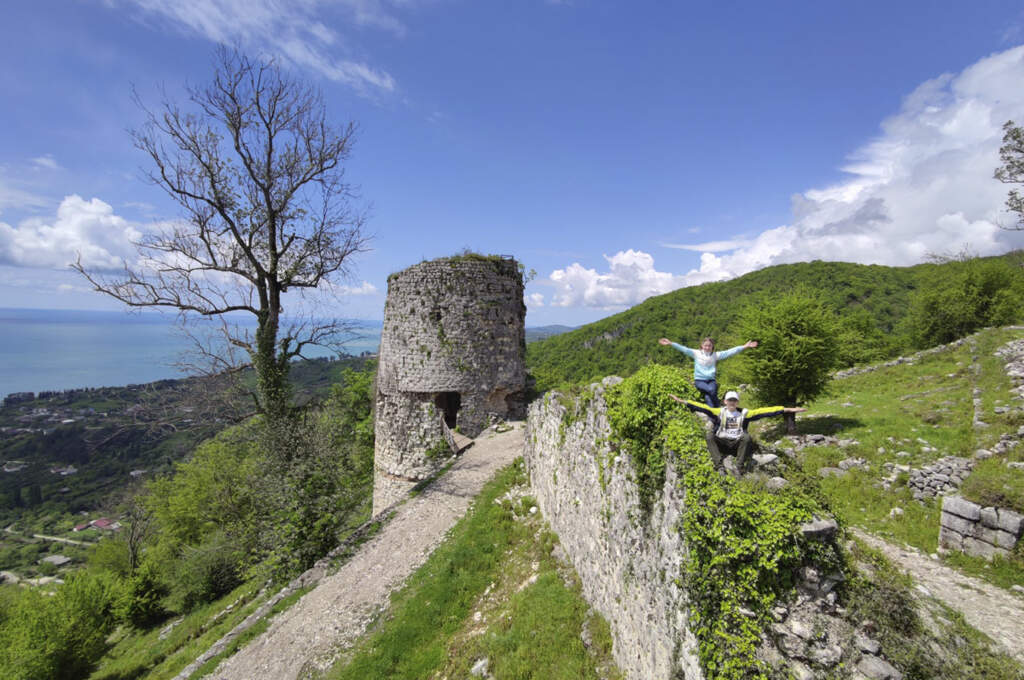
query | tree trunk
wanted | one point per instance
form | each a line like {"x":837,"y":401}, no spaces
{"x":790,"y":419}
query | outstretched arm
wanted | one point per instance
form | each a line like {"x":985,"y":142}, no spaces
{"x":675,"y":345}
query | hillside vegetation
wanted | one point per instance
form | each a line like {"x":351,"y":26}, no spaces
{"x":882,"y":312}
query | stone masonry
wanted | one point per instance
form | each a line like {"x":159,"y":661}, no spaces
{"x":975,"y":530}
{"x":629,"y":573}
{"x":451,"y":356}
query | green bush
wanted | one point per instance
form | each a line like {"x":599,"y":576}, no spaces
{"x":141,"y":599}
{"x":992,"y":484}
{"x":206,"y":572}
{"x":59,"y":637}
{"x":798,"y":338}
{"x":639,"y":408}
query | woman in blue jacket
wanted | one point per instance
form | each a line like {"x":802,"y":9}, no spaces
{"x":705,"y":365}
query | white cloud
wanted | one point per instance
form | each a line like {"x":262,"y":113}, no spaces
{"x":924,"y":185}
{"x":709,"y":247}
{"x":366,"y":288}
{"x":535,"y":300}
{"x":290,"y":30}
{"x":87,"y":227}
{"x":46,"y":162}
{"x":631,"y":278}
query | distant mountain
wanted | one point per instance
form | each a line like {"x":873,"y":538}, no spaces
{"x":541,"y":332}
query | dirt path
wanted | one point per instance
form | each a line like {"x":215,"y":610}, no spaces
{"x":996,"y":612}
{"x":310,"y":635}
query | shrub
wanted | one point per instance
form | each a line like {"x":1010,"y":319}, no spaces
{"x":206,"y":572}
{"x":140,"y":603}
{"x":61,"y":636}
{"x":639,"y":408}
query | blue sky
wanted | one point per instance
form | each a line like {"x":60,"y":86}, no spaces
{"x":621,"y":150}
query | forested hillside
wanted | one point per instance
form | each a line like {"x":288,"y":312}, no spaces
{"x":881,"y":311}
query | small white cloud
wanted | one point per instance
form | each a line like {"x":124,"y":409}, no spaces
{"x":65,"y":288}
{"x":535,"y":300}
{"x":709,"y":247}
{"x":89,"y":228}
{"x":631,"y":279}
{"x":366,"y":288}
{"x":46,"y":162}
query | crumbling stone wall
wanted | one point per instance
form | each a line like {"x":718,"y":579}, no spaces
{"x":452,"y":348}
{"x":629,"y":569}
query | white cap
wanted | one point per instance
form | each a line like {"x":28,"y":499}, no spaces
{"x":732,"y":394}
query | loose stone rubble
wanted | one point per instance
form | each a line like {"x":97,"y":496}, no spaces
{"x":939,"y":478}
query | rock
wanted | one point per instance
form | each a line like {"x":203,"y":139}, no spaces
{"x":827,"y":656}
{"x":765,"y":459}
{"x":1017,"y":588}
{"x":867,"y":645}
{"x":479,"y":669}
{"x":831,"y":472}
{"x":776,"y":483}
{"x":801,"y":630}
{"x":877,"y":668}
{"x":895,"y":512}
{"x":820,"y":529}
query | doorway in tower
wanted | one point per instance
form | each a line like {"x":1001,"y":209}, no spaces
{"x":448,"y":404}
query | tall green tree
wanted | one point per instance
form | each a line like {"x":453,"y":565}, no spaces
{"x":256,"y":165}
{"x":1011,"y":168}
{"x":798,"y":338}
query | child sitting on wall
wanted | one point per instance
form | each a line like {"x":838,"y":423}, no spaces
{"x":730,"y":427}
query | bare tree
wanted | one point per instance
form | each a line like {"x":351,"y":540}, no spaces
{"x":1011,"y":171}
{"x":257,"y":167}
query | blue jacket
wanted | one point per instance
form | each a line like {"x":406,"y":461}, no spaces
{"x":705,"y":365}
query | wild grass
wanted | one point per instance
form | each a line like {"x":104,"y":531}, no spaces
{"x":137,"y":654}
{"x":491,"y":590}
{"x":912,"y":415}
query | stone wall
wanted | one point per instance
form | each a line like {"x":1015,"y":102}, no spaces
{"x":452,"y":342}
{"x":629,"y":569}
{"x":976,"y":530}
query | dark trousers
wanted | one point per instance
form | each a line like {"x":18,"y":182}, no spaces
{"x":731,"y":447}
{"x":709,"y":390}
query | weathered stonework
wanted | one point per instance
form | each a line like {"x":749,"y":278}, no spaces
{"x":451,"y":355}
{"x":629,"y":570}
{"x":975,"y":530}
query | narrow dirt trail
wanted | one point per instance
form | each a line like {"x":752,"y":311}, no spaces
{"x":309,"y":636}
{"x":996,"y":612}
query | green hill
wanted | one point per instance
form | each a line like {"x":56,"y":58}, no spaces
{"x":874,"y":301}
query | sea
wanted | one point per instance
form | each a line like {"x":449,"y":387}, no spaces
{"x":62,"y":349}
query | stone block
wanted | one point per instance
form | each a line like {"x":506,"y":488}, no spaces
{"x":973,"y":546}
{"x":989,"y":518}
{"x":951,"y":539}
{"x":958,"y":505}
{"x":1010,"y":521}
{"x":957,"y":524}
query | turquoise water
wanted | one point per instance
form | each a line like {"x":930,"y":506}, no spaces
{"x":61,"y":349}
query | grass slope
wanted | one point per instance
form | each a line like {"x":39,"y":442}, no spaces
{"x":492,"y":591}
{"x":912,"y":414}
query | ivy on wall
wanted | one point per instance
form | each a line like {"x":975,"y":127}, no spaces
{"x":743,"y":545}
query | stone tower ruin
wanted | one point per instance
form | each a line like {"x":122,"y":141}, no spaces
{"x":451,"y":356}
